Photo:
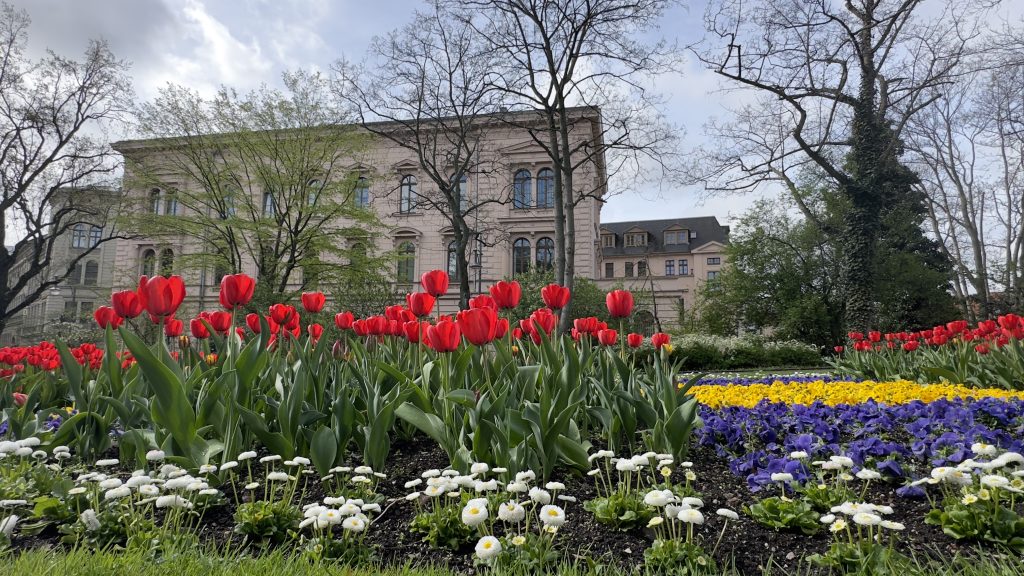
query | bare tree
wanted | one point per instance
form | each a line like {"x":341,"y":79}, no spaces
{"x":424,"y":89}
{"x":567,"y":61}
{"x":263,"y":178}
{"x":834,"y":84}
{"x":53,"y":116}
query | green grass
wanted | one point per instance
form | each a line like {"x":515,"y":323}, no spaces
{"x":282,"y":563}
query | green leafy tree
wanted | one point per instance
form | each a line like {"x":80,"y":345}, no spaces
{"x":264,"y":179}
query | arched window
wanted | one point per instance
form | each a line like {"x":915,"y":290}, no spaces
{"x":357,"y":253}
{"x":453,"y":260}
{"x":520,"y":256}
{"x":166,"y":262}
{"x":522,"y":185}
{"x":545,"y":188}
{"x":268,"y":204}
{"x":95,"y":233}
{"x":78,"y":236}
{"x":461,"y":189}
{"x":406,"y":263}
{"x":407,"y":195}
{"x":545,"y":253}
{"x":170,"y":203}
{"x":154,"y":201}
{"x":362,"y":192}
{"x":148,"y":263}
{"x":92,"y":273}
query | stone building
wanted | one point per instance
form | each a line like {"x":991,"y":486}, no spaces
{"x":73,"y":300}
{"x":670,"y":259}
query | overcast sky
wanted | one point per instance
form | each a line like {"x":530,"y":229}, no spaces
{"x":242,"y":43}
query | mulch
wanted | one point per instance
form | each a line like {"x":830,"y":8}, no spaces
{"x":746,"y":546}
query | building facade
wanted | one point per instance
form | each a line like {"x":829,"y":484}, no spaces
{"x":90,"y":282}
{"x":514,"y":225}
{"x":666,"y":260}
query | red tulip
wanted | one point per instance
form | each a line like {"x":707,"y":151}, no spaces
{"x":198,"y":329}
{"x":344,"y":320}
{"x":587,"y":325}
{"x":173,"y":327}
{"x":838,"y":349}
{"x":875,"y":336}
{"x":506,"y":294}
{"x":420,"y":303}
{"x":282,"y":313}
{"x":555,"y":296}
{"x":619,"y":303}
{"x":20,"y":399}
{"x":608,"y":337}
{"x":659,"y":339}
{"x":126,"y":303}
{"x":483,"y":301}
{"x":220,"y":320}
{"x":981,"y":349}
{"x":313,"y":302}
{"x":634,"y":340}
{"x":478,"y":325}
{"x":434,"y":282}
{"x":161,"y":296}
{"x":241,"y":333}
{"x":253,"y":322}
{"x":443,"y":336}
{"x":107,"y":316}
{"x":911,"y":345}
{"x":415,"y":331}
{"x":517,"y":333}
{"x":315,"y":331}
{"x":502,"y":328}
{"x":376,"y":325}
{"x":855,"y":336}
{"x":236,"y":290}
{"x":360,"y":327}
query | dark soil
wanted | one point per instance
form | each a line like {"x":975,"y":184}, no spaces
{"x":746,"y":545}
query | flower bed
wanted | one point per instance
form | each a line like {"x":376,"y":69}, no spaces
{"x":833,"y":393}
{"x":476,"y":441}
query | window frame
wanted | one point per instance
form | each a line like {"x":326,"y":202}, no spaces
{"x":714,"y":260}
{"x":406,"y":258}
{"x":549,"y":253}
{"x":547,"y":177}
{"x":522,"y":189}
{"x":518,"y":245}
{"x":407,"y":194}
{"x":361,"y":193}
{"x":670,"y":267}
{"x":609,"y":269}
{"x":629,"y":270}
{"x":79,"y":236}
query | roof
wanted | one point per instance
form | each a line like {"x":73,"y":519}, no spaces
{"x":707,"y":229}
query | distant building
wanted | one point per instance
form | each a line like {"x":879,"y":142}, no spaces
{"x":89,"y":285}
{"x":670,"y":259}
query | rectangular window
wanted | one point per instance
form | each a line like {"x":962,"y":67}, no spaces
{"x":714,"y":261}
{"x":675,"y":237}
{"x":637,"y":239}
{"x":712,"y":274}
{"x":684,"y":267}
{"x":670,"y":267}
{"x":629,"y":269}
{"x":609,"y":269}
{"x":85,"y":310}
{"x":608,"y":240}
{"x":641,"y":268}
{"x":69,"y":311}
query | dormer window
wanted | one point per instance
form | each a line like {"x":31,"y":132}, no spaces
{"x":608,"y":240}
{"x":676,"y":237}
{"x":636,"y":239}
